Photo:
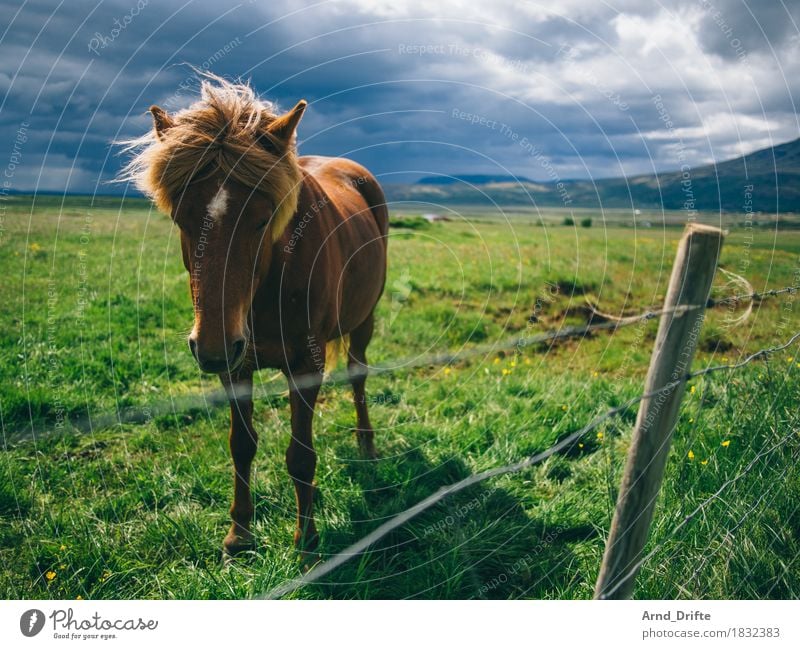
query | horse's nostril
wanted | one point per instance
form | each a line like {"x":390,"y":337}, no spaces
{"x":238,"y":350}
{"x":193,"y":347}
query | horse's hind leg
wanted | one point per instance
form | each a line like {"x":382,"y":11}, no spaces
{"x":357,"y":370}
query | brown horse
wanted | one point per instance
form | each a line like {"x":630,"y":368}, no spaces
{"x":286,"y":259}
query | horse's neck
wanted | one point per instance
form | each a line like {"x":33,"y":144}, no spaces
{"x":305,"y":225}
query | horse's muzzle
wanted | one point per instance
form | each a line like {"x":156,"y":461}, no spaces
{"x":216,"y":364}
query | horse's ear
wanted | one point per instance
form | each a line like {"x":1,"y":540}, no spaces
{"x":282,"y":128}
{"x":161,"y":120}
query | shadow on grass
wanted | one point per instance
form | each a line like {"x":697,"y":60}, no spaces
{"x":479,"y":543}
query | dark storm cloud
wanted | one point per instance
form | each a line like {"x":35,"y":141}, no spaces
{"x":732,"y":28}
{"x":389,"y":83}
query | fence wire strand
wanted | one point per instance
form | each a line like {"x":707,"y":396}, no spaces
{"x":219,"y":397}
{"x":320,"y":570}
{"x":700,"y":508}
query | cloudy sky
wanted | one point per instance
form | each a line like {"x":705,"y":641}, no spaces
{"x":567,"y":89}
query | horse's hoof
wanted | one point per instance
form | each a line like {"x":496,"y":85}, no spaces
{"x":308,"y":560}
{"x":234,"y":545}
{"x":368,"y":451}
{"x":366,"y":445}
{"x":306,"y":546}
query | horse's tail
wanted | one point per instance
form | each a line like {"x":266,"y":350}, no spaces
{"x":334,"y":350}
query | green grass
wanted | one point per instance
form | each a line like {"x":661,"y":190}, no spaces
{"x":96,"y":309}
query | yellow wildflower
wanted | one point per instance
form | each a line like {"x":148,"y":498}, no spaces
{"x":564,"y":408}
{"x":692,"y":390}
{"x":446,"y":371}
{"x":50,"y":575}
{"x":79,"y":597}
{"x":35,"y":247}
{"x":580,"y":444}
{"x":704,"y":462}
{"x":600,"y":434}
{"x":62,"y":548}
{"x":726,"y":443}
{"x":690,"y":455}
{"x":496,"y":360}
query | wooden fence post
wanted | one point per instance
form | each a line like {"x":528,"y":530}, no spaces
{"x":676,"y":342}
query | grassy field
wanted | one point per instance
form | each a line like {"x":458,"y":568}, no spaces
{"x":95,"y":314}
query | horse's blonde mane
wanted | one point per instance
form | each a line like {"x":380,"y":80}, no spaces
{"x":226,"y":130}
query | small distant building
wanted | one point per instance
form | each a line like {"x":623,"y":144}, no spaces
{"x":433,"y":218}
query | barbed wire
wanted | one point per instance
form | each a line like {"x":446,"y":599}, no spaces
{"x":671,"y":557}
{"x":219,"y":397}
{"x":698,"y":509}
{"x":735,"y":299}
{"x":320,"y":570}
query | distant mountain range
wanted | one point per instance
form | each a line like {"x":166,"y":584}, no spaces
{"x":470,"y":179}
{"x":767,"y":180}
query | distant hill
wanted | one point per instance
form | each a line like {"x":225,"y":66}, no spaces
{"x":767,"y":180}
{"x":471,"y":179}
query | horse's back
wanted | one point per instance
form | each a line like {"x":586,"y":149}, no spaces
{"x":352,"y":204}
{"x":349,"y":184}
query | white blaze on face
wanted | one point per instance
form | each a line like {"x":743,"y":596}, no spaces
{"x":218,"y":205}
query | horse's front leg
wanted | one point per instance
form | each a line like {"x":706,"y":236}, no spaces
{"x":243,"y":440}
{"x":301,"y":459}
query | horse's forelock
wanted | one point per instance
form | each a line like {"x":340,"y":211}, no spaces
{"x":221,"y":130}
